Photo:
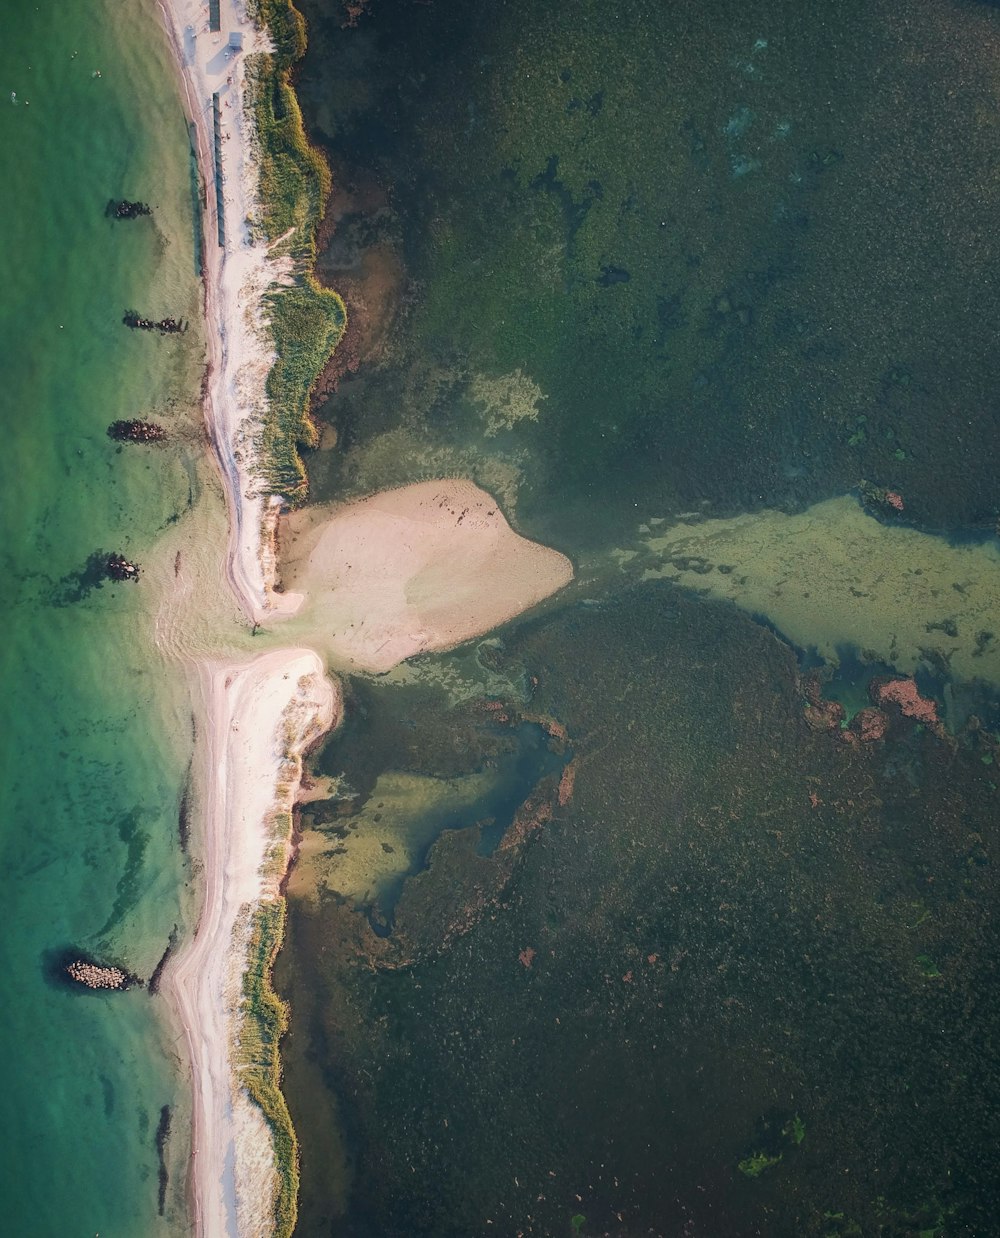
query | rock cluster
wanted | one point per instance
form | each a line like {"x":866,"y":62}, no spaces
{"x":165,"y":326}
{"x":820,"y":714}
{"x":904,"y":694}
{"x":124,"y":209}
{"x":869,"y":724}
{"x":96,"y":976}
{"x":136,"y":432}
{"x":118,"y":567}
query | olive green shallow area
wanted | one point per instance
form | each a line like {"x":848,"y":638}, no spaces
{"x":834,"y":576}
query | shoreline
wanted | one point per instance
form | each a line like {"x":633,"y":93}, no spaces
{"x":235,"y":279}
{"x":262,"y":716}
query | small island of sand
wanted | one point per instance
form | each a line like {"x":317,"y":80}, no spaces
{"x":412,"y":570}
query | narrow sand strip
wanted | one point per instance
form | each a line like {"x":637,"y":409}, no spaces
{"x":240,"y":353}
{"x":262,"y":716}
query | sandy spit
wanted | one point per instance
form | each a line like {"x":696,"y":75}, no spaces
{"x":261,"y":716}
{"x":240,"y":352}
{"x":413,"y":570}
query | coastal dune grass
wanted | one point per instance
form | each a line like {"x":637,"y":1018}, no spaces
{"x":257,"y":1060}
{"x":307,"y":321}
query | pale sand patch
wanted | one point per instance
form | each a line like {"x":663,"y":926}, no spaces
{"x":256,"y":1176}
{"x":421,"y":568}
{"x":260,"y":717}
{"x":833,"y":575}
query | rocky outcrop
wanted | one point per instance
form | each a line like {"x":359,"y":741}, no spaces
{"x":124,"y":209}
{"x":136,"y":432}
{"x":165,"y":326}
{"x":117,"y":567}
{"x":869,"y":725}
{"x":98,"y":975}
{"x":904,"y":695}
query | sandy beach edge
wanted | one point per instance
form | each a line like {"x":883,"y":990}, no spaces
{"x":235,"y":278}
{"x":260,"y":719}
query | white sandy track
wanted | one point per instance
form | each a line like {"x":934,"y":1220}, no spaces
{"x":261,"y":717}
{"x":240,"y":353}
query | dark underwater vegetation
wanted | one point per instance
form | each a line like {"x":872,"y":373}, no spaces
{"x":700,"y":965}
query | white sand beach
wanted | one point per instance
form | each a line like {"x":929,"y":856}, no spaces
{"x":261,"y":717}
{"x":240,"y":353}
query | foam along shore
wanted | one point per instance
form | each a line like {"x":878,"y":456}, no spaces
{"x":260,"y":716}
{"x":236,"y":275}
{"x":413,"y":570}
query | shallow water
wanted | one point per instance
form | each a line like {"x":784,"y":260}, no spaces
{"x":98,"y":735}
{"x":650,"y":274}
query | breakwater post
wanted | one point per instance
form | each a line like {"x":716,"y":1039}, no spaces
{"x":220,"y":201}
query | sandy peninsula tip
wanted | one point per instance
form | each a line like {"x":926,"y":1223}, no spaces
{"x":415,"y":570}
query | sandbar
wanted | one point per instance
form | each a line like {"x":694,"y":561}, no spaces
{"x":418,"y":569}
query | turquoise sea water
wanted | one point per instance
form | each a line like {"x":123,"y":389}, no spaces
{"x":97,"y":735}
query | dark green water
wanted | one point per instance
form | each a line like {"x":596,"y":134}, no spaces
{"x":621,"y":263}
{"x":97,"y":735}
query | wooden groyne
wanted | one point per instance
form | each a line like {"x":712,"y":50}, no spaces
{"x":220,"y":201}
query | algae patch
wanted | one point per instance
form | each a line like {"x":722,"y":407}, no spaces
{"x":506,"y":401}
{"x":833,"y":576}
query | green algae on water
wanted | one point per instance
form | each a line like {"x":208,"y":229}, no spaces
{"x":754,"y":1165}
{"x":833,"y":575}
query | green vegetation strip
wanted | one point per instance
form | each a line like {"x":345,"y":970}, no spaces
{"x":258,"y":1065}
{"x":306,"y":320}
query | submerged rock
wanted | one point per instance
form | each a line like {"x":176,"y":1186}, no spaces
{"x":166,"y":326}
{"x":136,"y":432}
{"x":869,"y":725}
{"x":124,"y":209}
{"x":117,"y":567}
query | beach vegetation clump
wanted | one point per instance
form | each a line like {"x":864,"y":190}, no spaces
{"x":264,"y":1020}
{"x":294,"y":177}
{"x":306,"y":320}
{"x":285,"y":24}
